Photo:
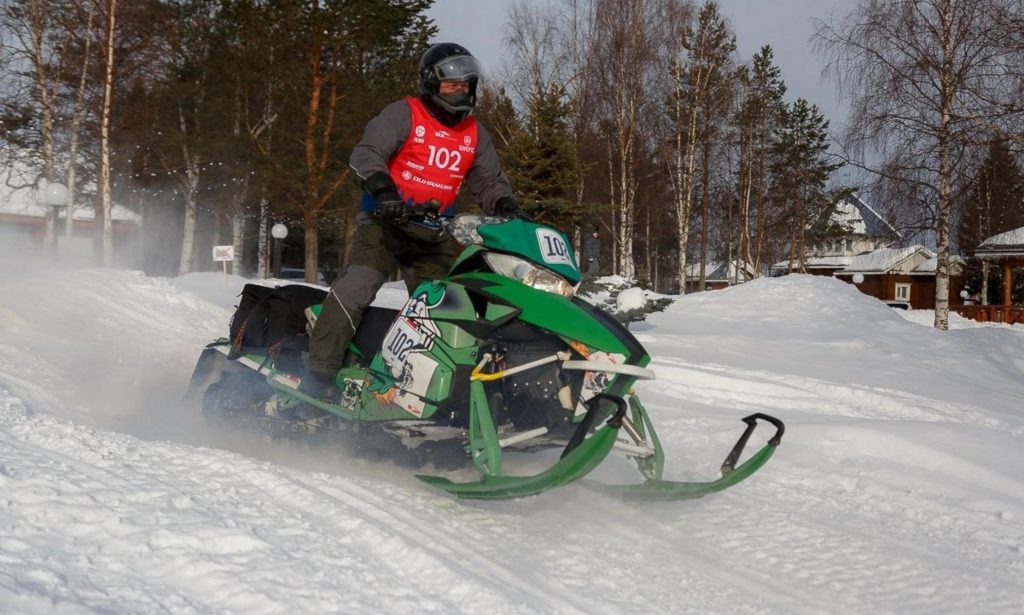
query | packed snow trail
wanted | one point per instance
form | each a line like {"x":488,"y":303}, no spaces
{"x":896,"y":488}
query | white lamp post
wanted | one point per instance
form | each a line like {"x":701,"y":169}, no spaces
{"x":55,"y":194}
{"x":278,"y":232}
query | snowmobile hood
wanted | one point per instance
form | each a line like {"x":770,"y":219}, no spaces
{"x":538,"y":243}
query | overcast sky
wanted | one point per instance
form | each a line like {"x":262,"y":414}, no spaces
{"x":784,"y":24}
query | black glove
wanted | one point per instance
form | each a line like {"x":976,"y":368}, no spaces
{"x":382,"y":188}
{"x":507,"y":207}
{"x":390,"y":205}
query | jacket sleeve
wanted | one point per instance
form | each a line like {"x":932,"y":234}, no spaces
{"x":384,"y":135}
{"x":486,"y":181}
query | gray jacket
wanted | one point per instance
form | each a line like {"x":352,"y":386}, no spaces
{"x":386,"y":133}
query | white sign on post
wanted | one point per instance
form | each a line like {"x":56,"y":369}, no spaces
{"x":223,"y":253}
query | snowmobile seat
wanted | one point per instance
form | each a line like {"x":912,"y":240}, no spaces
{"x":373,"y":327}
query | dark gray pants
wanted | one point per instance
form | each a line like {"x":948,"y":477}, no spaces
{"x":378,"y":249}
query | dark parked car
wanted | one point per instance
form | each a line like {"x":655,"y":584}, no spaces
{"x":292,"y":273}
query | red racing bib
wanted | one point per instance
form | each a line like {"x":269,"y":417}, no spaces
{"x":435,"y":158}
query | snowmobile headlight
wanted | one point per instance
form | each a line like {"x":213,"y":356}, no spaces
{"x":529,"y":274}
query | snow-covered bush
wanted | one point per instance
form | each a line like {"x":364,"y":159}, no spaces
{"x":627,"y":300}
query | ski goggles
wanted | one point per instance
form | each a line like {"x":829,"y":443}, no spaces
{"x":457,"y":68}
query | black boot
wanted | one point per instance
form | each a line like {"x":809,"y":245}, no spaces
{"x":319,"y":386}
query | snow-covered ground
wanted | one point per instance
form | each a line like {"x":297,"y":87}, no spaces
{"x":898,"y":487}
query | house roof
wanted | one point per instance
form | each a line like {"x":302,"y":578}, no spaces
{"x":719,"y":272}
{"x":1010,"y":243}
{"x":823,"y":262}
{"x":853,"y":213}
{"x":931,"y":265}
{"x":885,"y":260}
{"x":817,"y":262}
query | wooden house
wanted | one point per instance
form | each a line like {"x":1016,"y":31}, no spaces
{"x":901,"y":276}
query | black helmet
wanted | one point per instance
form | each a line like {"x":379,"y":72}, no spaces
{"x":449,"y":62}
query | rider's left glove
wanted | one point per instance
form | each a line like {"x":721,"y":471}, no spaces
{"x":382,"y":188}
{"x":507,"y":207}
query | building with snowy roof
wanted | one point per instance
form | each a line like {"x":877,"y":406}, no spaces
{"x":901,"y":276}
{"x":852,"y":227}
{"x":24,"y":216}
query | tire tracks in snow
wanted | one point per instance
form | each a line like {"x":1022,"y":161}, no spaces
{"x":440,"y":543}
{"x":761,"y":390}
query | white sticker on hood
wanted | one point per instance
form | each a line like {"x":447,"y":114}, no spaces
{"x":552,"y":246}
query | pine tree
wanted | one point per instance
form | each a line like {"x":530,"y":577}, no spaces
{"x":496,"y":111}
{"x":801,"y":170}
{"x":541,"y":161}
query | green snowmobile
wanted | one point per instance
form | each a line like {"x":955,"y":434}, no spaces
{"x":500,"y":356}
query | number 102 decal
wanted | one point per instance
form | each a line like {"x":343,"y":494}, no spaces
{"x":553,"y":248}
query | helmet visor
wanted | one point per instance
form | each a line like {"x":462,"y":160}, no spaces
{"x":457,"y":68}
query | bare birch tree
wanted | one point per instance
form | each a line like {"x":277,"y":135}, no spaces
{"x":625,"y":59}
{"x":697,"y":62}
{"x":77,"y":114}
{"x":921,"y":77}
{"x":103,"y":244}
{"x":36,"y":42}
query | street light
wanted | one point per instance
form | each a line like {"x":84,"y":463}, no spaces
{"x":278,"y":232}
{"x":55,"y":194}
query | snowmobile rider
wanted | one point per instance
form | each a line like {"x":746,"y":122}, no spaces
{"x":416,"y":154}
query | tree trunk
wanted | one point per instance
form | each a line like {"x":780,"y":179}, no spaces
{"x":190,"y":188}
{"x":237,"y":235}
{"x":311,"y":236}
{"x":189,"y":234}
{"x":705,"y":211}
{"x":104,"y":240}
{"x":262,"y":240}
{"x":984,"y":282}
{"x":944,"y":206}
{"x":76,"y":124}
